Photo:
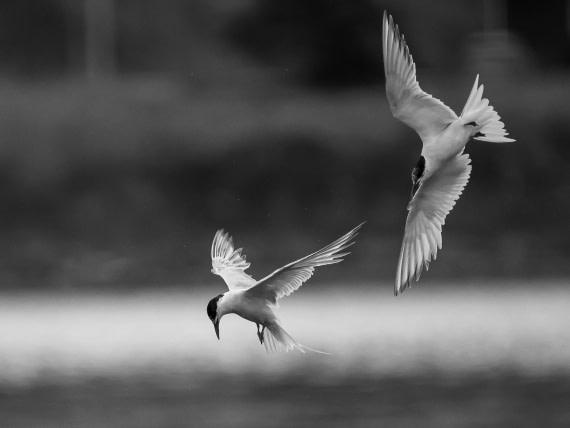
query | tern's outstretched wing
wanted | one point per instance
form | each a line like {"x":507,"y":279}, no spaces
{"x":428,"y":116}
{"x":289,"y":278}
{"x":427,"y":211}
{"x":230,"y":264}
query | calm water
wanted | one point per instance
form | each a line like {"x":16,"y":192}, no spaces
{"x":469,"y":355}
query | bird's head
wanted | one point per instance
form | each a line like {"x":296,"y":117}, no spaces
{"x":214,"y":313}
{"x":418,"y":174}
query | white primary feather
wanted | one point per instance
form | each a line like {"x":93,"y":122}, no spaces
{"x":275,"y":338}
{"x":427,"y":211}
{"x":289,"y":278}
{"x":427,"y":115}
{"x":229,"y":263}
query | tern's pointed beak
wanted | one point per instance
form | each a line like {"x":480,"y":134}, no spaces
{"x":217,"y":327}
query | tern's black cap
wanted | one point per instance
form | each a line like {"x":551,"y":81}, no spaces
{"x":418,"y":173}
{"x":212,"y":308}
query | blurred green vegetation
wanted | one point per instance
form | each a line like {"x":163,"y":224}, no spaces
{"x":214,"y":117}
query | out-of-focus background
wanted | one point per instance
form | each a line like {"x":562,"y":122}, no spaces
{"x":131,"y":130}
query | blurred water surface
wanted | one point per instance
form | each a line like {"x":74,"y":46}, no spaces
{"x":469,"y":355}
{"x":464,"y":329}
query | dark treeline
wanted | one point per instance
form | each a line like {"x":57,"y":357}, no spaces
{"x":130,"y":130}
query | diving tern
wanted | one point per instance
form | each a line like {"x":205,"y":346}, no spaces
{"x":256,"y":300}
{"x":442,"y":171}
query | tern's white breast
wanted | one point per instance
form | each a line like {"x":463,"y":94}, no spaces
{"x":450,"y":142}
{"x":254,"y":309}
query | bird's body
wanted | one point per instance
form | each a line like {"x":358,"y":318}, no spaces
{"x":449,"y":143}
{"x":256,"y":301}
{"x":442,"y":171}
{"x":247,"y":305}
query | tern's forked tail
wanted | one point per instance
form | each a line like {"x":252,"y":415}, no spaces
{"x":485,"y":121}
{"x":275,"y":338}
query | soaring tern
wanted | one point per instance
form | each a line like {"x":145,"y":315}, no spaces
{"x":256,"y":300}
{"x":442,"y":171}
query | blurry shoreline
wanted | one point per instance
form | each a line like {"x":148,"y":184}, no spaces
{"x":126,"y":183}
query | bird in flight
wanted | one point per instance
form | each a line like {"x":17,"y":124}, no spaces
{"x":256,"y":300}
{"x":442,"y":171}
